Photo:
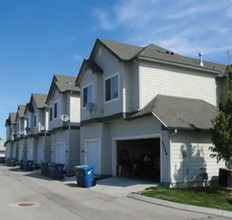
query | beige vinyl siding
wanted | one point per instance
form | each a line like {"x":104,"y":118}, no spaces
{"x":70,"y":138}
{"x":89,"y":79}
{"x":130,"y":85}
{"x":159,"y":79}
{"x":56,"y":97}
{"x":74,"y":148}
{"x":189,"y":153}
{"x":111,"y":66}
{"x":74,"y":109}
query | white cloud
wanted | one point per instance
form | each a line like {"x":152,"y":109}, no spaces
{"x":104,"y":19}
{"x":186,"y":27}
{"x":77,"y":57}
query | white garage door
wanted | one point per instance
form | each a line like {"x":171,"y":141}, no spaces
{"x":92,"y":156}
{"x":30,"y":152}
{"x":40,"y":154}
{"x":53,"y":153}
{"x":61,"y":153}
{"x":20,"y":152}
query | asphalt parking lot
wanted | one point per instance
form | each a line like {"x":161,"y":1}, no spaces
{"x":28,"y":195}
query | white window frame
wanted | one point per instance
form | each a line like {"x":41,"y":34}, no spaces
{"x":111,"y":98}
{"x":86,"y":86}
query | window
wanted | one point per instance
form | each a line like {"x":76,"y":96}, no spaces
{"x":57,"y":109}
{"x":111,"y":88}
{"x":28,"y":122}
{"x":50,"y":114}
{"x":87,"y":95}
{"x":35,"y":120}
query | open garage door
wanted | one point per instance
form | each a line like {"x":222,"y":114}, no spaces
{"x":139,"y":158}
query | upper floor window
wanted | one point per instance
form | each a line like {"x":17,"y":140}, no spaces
{"x":28,"y":125}
{"x":87,"y":95}
{"x":35,"y":120}
{"x":111,"y":88}
{"x":50,"y":114}
{"x":57,"y":109}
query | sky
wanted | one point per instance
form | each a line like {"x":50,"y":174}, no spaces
{"x":40,"y":38}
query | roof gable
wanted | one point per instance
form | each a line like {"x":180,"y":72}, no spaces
{"x":20,"y":111}
{"x":63,"y":84}
{"x":39,"y":100}
{"x":11,"y":119}
{"x":124,"y":52}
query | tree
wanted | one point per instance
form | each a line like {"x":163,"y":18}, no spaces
{"x":221,"y":132}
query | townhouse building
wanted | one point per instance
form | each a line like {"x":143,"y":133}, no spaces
{"x":63,"y":101}
{"x":146,"y":112}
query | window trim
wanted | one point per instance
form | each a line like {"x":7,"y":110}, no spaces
{"x":84,"y":87}
{"x":107,"y":78}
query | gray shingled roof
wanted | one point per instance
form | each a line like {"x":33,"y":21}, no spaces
{"x":127,"y":53}
{"x":63,"y":84}
{"x":20,"y":112}
{"x":66,"y":83}
{"x":180,"y":113}
{"x":39,"y":100}
{"x":11,"y":119}
{"x":123,"y":51}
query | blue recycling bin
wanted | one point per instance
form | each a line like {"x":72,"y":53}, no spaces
{"x":85,"y":176}
{"x":58,"y":171}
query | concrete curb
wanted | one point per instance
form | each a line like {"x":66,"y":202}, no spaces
{"x":180,"y":206}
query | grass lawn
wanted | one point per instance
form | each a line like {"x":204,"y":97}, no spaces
{"x":211,"y":196}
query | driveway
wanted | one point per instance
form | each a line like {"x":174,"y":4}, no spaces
{"x":28,"y":195}
{"x":117,"y":186}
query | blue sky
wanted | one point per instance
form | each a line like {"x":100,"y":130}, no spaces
{"x":40,"y":38}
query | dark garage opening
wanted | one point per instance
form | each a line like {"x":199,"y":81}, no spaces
{"x":139,"y":158}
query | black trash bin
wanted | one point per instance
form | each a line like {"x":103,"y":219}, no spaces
{"x":225,"y":177}
{"x":13,"y":162}
{"x":85,"y":176}
{"x":44,"y":169}
{"x":21,"y":165}
{"x":28,"y":165}
{"x":51,"y":168}
{"x":8,"y":162}
{"x":58,"y":171}
{"x":2,"y":159}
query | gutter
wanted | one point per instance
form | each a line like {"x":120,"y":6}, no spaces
{"x":162,"y":122}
